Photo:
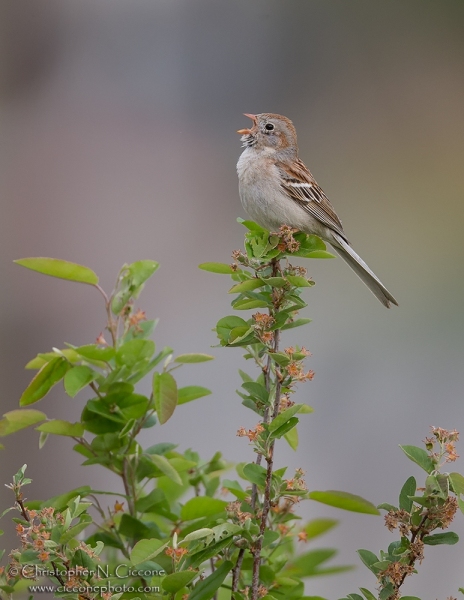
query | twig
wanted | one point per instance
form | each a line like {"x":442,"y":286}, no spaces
{"x":237,"y":569}
{"x":112,"y":326}
{"x":127,"y":488}
{"x":256,"y":551}
{"x":275,"y":269}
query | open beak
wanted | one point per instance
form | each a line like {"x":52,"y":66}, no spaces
{"x":247,"y":131}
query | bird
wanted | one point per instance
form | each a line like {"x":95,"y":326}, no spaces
{"x":276,"y":188}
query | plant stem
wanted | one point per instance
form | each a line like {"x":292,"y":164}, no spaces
{"x":256,"y":551}
{"x":112,"y":325}
{"x":237,"y":569}
{"x":127,"y":488}
{"x":267,"y":417}
{"x":419,"y":533}
{"x":266,"y":504}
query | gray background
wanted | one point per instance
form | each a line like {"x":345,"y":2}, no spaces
{"x":118,"y":136}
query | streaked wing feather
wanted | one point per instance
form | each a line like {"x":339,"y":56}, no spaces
{"x":302,"y":187}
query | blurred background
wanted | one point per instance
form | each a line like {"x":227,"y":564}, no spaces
{"x":118,"y":123}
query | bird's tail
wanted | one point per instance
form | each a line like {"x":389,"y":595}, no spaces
{"x":346,"y":252}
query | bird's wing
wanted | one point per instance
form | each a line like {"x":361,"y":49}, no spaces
{"x":301,"y":186}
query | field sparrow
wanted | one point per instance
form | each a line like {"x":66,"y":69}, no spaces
{"x":276,"y":189}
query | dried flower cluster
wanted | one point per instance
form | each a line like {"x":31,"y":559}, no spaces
{"x":287,"y":242}
{"x":251,"y":434}
{"x":263,"y":324}
{"x":176,"y":553}
{"x":235,"y":513}
{"x":35,"y":536}
{"x":297,"y":482}
{"x":435,"y":509}
{"x":446,"y":441}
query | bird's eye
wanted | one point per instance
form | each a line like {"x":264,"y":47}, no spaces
{"x":269,"y":126}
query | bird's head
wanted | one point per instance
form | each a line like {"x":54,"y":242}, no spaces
{"x":269,"y":131}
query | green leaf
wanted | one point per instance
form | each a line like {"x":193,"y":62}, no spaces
{"x":176,"y":581}
{"x":320,"y":254}
{"x":165,"y":395}
{"x":448,"y":537}
{"x":299,"y":281}
{"x":152,"y":501}
{"x":247,"y":304}
{"x":193,"y":358}
{"x":318,"y":527}
{"x":77,"y":378}
{"x":131,"y":281}
{"x":72,"y":532}
{"x":44,"y":380}
{"x":191,"y":392}
{"x":58,"y":427}
{"x":235,"y":488}
{"x":133,"y":406}
{"x":306,"y":565}
{"x":438,"y":485}
{"x":245,"y":377}
{"x":61,"y":502}
{"x":269,"y":537}
{"x":146,"y":550}
{"x":59,"y":268}
{"x":199,"y":557}
{"x":256,"y":390}
{"x":295,"y":323}
{"x":387,"y":592}
{"x":215,"y":267}
{"x":292,"y":438}
{"x":287,"y":414}
{"x":276,"y":282}
{"x":82,"y":559}
{"x":461,"y":504}
{"x":182,"y":464}
{"x":419,"y":456}
{"x":226,"y":324}
{"x":308,"y":243}
{"x":457,"y":481}
{"x":367,"y":594}
{"x":201,"y":506}
{"x":242,"y":336}
{"x":387,"y":506}
{"x":142,"y":270}
{"x":255,"y":473}
{"x":15,"y":420}
{"x":252,"y":226}
{"x":408,"y":489}
{"x":369,"y":559}
{"x":45,"y":357}
{"x":165,"y":467}
{"x":134,"y":351}
{"x":208,"y":587}
{"x":345,"y":500}
{"x":247,"y":286}
{"x":280,"y":358}
{"x":198,"y":534}
{"x":94,"y":352}
{"x":285,"y":428}
{"x":136,"y":530}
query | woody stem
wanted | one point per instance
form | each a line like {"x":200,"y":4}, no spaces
{"x":268,"y":416}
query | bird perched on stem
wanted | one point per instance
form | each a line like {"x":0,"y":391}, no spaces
{"x":277,"y":189}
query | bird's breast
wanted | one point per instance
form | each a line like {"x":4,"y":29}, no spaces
{"x":264,"y":199}
{"x":260,"y":190}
